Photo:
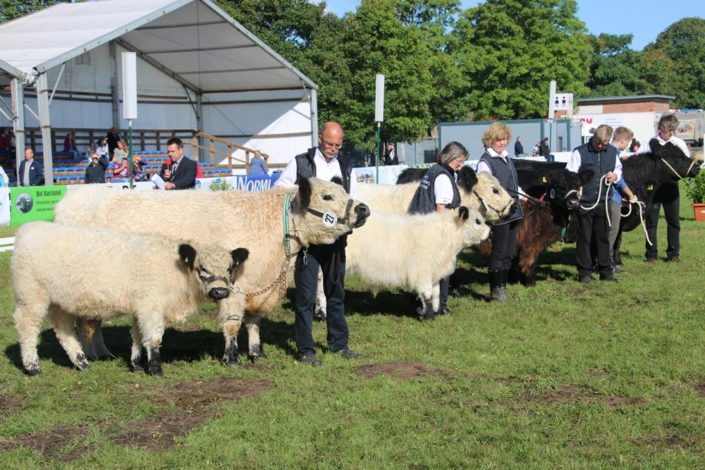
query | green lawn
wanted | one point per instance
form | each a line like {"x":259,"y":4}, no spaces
{"x":603,"y":376}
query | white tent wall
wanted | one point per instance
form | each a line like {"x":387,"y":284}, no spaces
{"x":276,"y":122}
{"x":248,"y":93}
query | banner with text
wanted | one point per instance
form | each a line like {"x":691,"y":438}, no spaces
{"x":34,"y":203}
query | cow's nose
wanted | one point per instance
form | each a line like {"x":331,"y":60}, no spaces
{"x":572,"y":203}
{"x":218,"y":293}
{"x":363,"y":212}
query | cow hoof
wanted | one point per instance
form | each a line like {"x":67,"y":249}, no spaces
{"x":81,"y":362}
{"x":232,"y":360}
{"x":156,"y":371}
{"x":33,"y":370}
{"x":319,"y":314}
{"x":136,"y":366}
{"x":257,"y":353}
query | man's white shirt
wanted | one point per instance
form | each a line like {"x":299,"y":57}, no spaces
{"x":325,"y":170}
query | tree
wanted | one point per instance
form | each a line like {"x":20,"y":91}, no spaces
{"x":435,"y":19}
{"x":615,"y":69}
{"x":376,"y":41}
{"x":11,"y":9}
{"x":510,"y":50}
{"x":676,"y":62}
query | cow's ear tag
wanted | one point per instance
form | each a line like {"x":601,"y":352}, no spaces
{"x":329,"y":219}
{"x":544,"y":179}
{"x":650,"y":187}
{"x":552,"y":193}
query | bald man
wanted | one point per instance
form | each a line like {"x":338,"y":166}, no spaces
{"x":323,"y":162}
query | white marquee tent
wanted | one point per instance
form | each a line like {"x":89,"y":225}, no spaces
{"x":197,"y":69}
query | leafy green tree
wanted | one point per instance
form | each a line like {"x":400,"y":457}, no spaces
{"x":435,"y":19}
{"x":615,"y":69}
{"x":11,"y":9}
{"x":376,"y":41}
{"x":676,"y":62}
{"x":510,"y":50}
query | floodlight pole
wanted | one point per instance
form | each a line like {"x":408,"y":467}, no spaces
{"x":379,"y":117}
{"x":129,"y":150}
{"x":378,"y":149}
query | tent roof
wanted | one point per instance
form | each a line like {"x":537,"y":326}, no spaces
{"x":193,"y":41}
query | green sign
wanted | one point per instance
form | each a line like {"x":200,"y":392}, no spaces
{"x":30,"y":203}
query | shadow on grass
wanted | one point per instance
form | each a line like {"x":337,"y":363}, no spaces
{"x":186,"y":346}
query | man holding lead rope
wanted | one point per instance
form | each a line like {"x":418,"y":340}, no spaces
{"x":600,"y":157}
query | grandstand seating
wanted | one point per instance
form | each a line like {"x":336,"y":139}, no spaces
{"x":72,"y":171}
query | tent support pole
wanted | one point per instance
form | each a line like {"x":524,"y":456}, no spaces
{"x":45,"y":125}
{"x":17,"y":90}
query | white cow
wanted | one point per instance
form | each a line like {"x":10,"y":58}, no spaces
{"x":481,"y":192}
{"x":274,"y":225}
{"x":72,"y":272}
{"x":413,"y":251}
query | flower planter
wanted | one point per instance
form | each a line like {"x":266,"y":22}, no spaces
{"x":699,"y":211}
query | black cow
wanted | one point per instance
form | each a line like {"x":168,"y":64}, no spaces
{"x":553,"y":192}
{"x":645,"y":173}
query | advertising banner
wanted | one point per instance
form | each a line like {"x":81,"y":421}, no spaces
{"x":34,"y":203}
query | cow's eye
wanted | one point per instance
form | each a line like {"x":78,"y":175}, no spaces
{"x":327,"y":197}
{"x":495,"y":190}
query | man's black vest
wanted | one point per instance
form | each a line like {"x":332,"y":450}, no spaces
{"x":306,"y":167}
{"x":503,"y":169}
{"x":600,"y":163}
{"x":424,"y":200}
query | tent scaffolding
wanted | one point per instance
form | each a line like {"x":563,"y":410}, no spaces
{"x":193,"y":42}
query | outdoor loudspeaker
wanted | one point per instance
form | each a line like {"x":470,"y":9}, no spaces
{"x":379,"y":97}
{"x":129,"y":86}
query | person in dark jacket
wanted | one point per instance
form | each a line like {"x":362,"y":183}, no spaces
{"x":323,"y":162}
{"x":600,"y":157}
{"x":95,"y":171}
{"x":390,"y":155}
{"x":544,"y":149}
{"x":31,"y":172}
{"x":667,"y":195}
{"x":438,"y":191}
{"x":182,"y":173}
{"x":518,"y":147}
{"x":496,"y":162}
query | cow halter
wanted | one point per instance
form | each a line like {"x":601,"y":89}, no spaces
{"x":331,"y":218}
{"x":674,"y":170}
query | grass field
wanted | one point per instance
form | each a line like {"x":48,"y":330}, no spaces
{"x":599,"y":376}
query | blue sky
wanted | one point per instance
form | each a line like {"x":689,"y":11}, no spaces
{"x":645,"y":19}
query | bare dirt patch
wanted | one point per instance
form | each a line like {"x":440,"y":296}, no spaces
{"x":11,"y":403}
{"x":597,"y":372}
{"x":194,"y":395}
{"x":660,"y":443}
{"x":569,"y":394}
{"x":49,"y":443}
{"x":403,"y":370}
{"x":196,"y":402}
{"x":700,"y":389}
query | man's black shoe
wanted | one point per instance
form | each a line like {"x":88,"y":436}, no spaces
{"x":673,"y":259}
{"x":348,"y":353}
{"x":585,"y":279}
{"x":650,"y":260}
{"x":309,"y":359}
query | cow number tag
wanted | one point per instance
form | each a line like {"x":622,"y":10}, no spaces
{"x":329,"y":219}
